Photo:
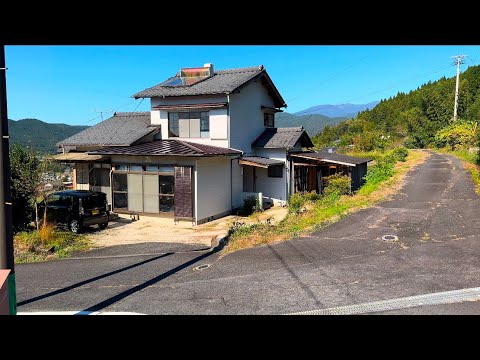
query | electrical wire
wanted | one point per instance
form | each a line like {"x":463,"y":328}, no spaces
{"x":116,"y":131}
{"x":313,"y":111}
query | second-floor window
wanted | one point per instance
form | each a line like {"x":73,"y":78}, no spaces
{"x":189,"y":124}
{"x":269,"y":119}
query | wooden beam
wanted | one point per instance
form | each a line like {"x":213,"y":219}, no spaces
{"x":250,"y":163}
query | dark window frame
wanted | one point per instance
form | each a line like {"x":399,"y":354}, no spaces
{"x":269,"y":119}
{"x":174,"y":125}
{"x":275,"y":171}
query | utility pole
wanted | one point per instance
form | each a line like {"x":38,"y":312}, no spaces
{"x":457,"y":61}
{"x":6,"y":234}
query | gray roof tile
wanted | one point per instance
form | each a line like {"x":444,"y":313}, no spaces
{"x":124,"y":128}
{"x":221,"y":82}
{"x":276,"y":138}
{"x":170,"y":147}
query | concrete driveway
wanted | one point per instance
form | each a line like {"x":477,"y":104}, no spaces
{"x":122,"y":230}
{"x":435,"y":217}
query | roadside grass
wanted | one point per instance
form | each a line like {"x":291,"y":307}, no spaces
{"x":471,"y":163}
{"x":46,"y":244}
{"x":318,"y":213}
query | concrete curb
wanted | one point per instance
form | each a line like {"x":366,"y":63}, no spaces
{"x":219,"y":240}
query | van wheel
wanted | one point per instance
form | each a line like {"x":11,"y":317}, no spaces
{"x":74,"y":226}
{"x":102,"y":226}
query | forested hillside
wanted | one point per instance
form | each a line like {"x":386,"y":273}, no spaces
{"x":313,"y":123}
{"x":414,"y":119}
{"x":40,"y":135}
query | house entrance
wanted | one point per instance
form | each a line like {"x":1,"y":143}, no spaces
{"x":152,"y":189}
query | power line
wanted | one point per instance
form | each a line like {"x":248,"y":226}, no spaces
{"x":382,"y":90}
{"x":116,"y":131}
{"x":333,"y":76}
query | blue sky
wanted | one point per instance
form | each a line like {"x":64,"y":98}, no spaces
{"x":72,"y":84}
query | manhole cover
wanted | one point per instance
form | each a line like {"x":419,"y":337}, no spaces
{"x":389,"y":237}
{"x":202,"y":267}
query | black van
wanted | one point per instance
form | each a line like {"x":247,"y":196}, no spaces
{"x":76,"y":209}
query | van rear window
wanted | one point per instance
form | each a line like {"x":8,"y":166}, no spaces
{"x":94,"y":201}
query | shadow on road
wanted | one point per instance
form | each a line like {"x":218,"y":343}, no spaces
{"x":84,"y":282}
{"x":122,"y":295}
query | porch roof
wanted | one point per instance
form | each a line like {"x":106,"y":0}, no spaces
{"x":332,"y":158}
{"x":170,"y":147}
{"x":259,"y":161}
{"x":78,"y":157}
{"x":184,"y":107}
{"x":283,"y":138}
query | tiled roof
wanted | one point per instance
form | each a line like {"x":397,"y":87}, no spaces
{"x":171,"y":147}
{"x":276,"y":138}
{"x":334,"y":158}
{"x":262,"y":161}
{"x":123,"y":128}
{"x":222,"y":82}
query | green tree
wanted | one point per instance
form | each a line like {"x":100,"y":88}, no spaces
{"x":26,"y":169}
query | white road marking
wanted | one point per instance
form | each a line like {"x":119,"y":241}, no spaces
{"x":445,"y":297}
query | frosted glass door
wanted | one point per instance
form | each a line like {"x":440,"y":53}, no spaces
{"x":150,"y":193}
{"x":135,"y":193}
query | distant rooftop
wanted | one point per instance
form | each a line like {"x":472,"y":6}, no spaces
{"x":123,"y":128}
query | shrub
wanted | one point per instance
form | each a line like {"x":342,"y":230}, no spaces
{"x":296,"y":202}
{"x":400,"y":154}
{"x":312,"y":196}
{"x":338,"y":184}
{"x":383,"y":170}
{"x":250,"y":205}
{"x":458,"y":135}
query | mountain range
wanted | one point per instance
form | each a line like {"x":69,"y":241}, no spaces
{"x":313,"y":124}
{"x":340,"y":110}
{"x":40,"y":135}
{"x":43,"y":136}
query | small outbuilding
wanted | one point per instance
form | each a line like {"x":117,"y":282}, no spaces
{"x":310,"y":168}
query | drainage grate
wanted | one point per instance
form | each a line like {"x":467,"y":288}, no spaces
{"x":202,"y":267}
{"x":446,"y":297}
{"x":389,"y":237}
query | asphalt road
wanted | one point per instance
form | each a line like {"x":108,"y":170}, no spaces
{"x":435,"y":216}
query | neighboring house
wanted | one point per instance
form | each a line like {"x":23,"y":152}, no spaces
{"x":207,"y":143}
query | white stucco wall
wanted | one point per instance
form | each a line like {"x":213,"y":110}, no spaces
{"x":213,"y":187}
{"x":272,"y":188}
{"x":246,"y":115}
{"x":218,"y":118}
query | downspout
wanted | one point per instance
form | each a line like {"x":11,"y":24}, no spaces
{"x":228,"y":119}
{"x":195,"y":178}
{"x":111,"y":187}
{"x":287,"y":175}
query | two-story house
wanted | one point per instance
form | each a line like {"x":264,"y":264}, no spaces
{"x":209,"y":140}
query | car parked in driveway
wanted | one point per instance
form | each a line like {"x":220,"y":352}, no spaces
{"x":76,"y":209}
